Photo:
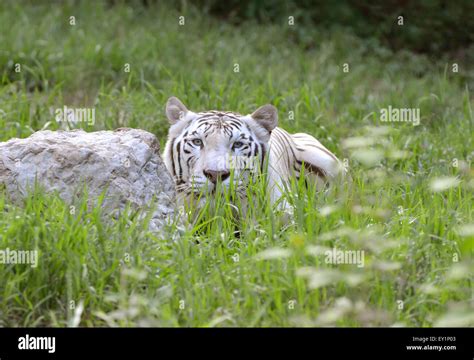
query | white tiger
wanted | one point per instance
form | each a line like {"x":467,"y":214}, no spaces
{"x":203,"y":147}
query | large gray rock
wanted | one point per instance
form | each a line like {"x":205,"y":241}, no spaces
{"x":125,"y":163}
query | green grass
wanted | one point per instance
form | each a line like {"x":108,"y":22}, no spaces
{"x":274,"y":274}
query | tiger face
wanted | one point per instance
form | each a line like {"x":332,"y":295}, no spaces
{"x":210,"y":149}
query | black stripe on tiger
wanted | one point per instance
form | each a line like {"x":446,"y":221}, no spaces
{"x":312,"y":169}
{"x":178,"y":150}
{"x":173,"y":166}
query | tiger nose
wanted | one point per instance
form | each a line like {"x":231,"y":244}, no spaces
{"x":216,"y":175}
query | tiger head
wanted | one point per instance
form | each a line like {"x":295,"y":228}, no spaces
{"x":205,"y":149}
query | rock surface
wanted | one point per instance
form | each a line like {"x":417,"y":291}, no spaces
{"x":125,"y":163}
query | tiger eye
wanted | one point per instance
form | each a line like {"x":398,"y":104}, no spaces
{"x":197,"y":142}
{"x":238,"y":144}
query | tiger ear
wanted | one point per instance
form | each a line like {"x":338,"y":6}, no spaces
{"x":175,"y":110}
{"x":266,"y":116}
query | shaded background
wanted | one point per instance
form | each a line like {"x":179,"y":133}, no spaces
{"x":432,"y":26}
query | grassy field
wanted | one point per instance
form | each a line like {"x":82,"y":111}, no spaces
{"x":410,"y":206}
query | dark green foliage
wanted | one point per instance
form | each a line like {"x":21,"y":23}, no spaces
{"x":429,"y":25}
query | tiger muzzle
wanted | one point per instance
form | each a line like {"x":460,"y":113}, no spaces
{"x":215,"y":176}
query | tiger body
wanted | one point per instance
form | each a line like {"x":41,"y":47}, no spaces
{"x":289,"y":153}
{"x":202,"y":149}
